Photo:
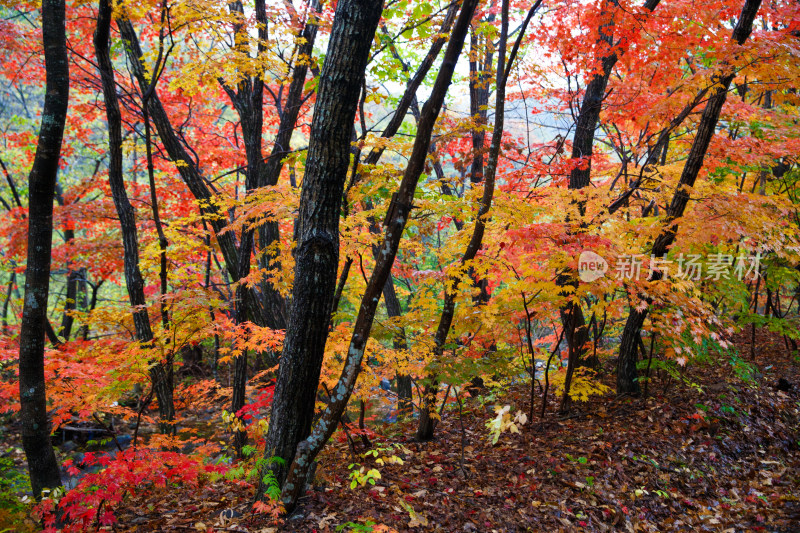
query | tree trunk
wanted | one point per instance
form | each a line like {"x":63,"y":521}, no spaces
{"x":12,"y":280}
{"x":42,"y":464}
{"x":395,"y":222}
{"x":627,"y":376}
{"x":270,"y":171}
{"x":427,"y":422}
{"x":407,"y":101}
{"x":571,"y":312}
{"x":480,"y":72}
{"x":127,"y":218}
{"x":317,"y":252}
{"x":73,"y":276}
{"x":394,"y":310}
{"x":248,"y":99}
{"x":90,"y":304}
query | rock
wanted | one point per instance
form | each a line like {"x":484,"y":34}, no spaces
{"x":123,"y":440}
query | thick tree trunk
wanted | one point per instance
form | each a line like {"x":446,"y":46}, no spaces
{"x":42,"y":464}
{"x":627,"y":376}
{"x":317,"y":252}
{"x":395,"y":222}
{"x":159,"y":375}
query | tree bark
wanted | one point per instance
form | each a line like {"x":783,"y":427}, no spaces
{"x":427,"y":422}
{"x":134,"y":282}
{"x":405,"y":404}
{"x":42,"y":464}
{"x":270,"y":171}
{"x":627,"y":376}
{"x":12,"y":280}
{"x":73,"y":276}
{"x":480,"y":73}
{"x":248,"y":100}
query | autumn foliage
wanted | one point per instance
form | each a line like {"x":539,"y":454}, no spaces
{"x":216,"y":233}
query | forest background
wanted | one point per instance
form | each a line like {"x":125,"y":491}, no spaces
{"x":235,"y":230}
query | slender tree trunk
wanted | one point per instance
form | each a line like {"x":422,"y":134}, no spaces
{"x":571,"y":312}
{"x":65,"y":330}
{"x":241,"y":306}
{"x":480,"y":73}
{"x":90,"y":304}
{"x":70,"y":303}
{"x":162,"y":244}
{"x":12,"y":280}
{"x":394,"y":310}
{"x":407,"y":101}
{"x":572,"y":318}
{"x":427,"y":422}
{"x":186,"y":166}
{"x":275,"y":306}
{"x":159,"y":375}
{"x":627,"y":376}
{"x":248,"y":100}
{"x":317,"y":252}
{"x":42,"y":464}
{"x":162,"y":238}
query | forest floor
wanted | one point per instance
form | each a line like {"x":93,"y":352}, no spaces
{"x":718,"y":450}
